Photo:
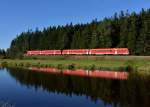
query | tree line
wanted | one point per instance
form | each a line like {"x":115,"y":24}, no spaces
{"x":2,"y":53}
{"x":123,"y":30}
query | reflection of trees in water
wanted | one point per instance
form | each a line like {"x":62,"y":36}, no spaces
{"x":134,"y":92}
{"x":6,"y":103}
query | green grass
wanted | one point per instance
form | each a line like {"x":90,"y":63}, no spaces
{"x":101,"y":62}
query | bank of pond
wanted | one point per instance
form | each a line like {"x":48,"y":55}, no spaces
{"x":77,"y":64}
{"x":138,"y":66}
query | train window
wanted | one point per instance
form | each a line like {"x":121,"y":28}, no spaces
{"x":103,"y":50}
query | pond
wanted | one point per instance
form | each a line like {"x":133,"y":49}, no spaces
{"x":26,"y":88}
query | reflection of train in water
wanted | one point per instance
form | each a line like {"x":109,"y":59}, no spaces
{"x":120,"y":75}
{"x":100,"y":51}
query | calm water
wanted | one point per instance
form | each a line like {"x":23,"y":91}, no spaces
{"x":20,"y":88}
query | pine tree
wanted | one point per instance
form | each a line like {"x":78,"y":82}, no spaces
{"x":132,"y":35}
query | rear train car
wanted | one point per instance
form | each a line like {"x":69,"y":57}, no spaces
{"x":33,"y":52}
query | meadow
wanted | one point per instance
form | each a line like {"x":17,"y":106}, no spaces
{"x":117,"y":63}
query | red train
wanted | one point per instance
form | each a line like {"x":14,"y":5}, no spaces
{"x":100,"y":51}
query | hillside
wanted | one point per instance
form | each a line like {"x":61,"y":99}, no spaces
{"x":121,"y":30}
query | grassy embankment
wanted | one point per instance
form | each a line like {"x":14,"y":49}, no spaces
{"x":119,"y":63}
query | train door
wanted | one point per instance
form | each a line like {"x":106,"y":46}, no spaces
{"x":116,"y":52}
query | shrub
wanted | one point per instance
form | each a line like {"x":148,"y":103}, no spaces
{"x":60,"y":66}
{"x":4,"y":64}
{"x":27,"y":64}
{"x":21,"y":64}
{"x":72,"y":66}
{"x":92,"y":67}
{"x":129,"y":65}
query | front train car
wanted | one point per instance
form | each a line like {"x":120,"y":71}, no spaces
{"x":109,"y":51}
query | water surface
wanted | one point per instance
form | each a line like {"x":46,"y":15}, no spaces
{"x":24,"y":88}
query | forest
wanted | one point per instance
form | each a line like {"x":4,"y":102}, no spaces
{"x":122,"y":30}
{"x":2,"y":53}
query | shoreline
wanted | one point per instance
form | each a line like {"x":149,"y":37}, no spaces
{"x":114,"y":63}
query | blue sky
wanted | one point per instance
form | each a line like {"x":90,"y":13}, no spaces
{"x":17,"y":16}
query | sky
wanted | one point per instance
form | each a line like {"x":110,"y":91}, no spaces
{"x":17,"y":16}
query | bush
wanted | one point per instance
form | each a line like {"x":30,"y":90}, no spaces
{"x":21,"y":64}
{"x":4,"y":64}
{"x":92,"y":67}
{"x":71,"y":66}
{"x":27,"y":64}
{"x":130,"y":65}
{"x":60,"y":66}
{"x":85,"y":67}
{"x":129,"y":68}
{"x":34,"y":58}
{"x":121,"y":68}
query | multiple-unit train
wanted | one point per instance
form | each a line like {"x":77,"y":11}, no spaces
{"x":99,"y":51}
